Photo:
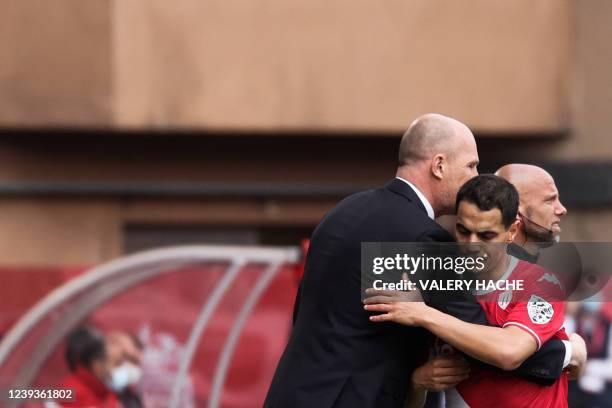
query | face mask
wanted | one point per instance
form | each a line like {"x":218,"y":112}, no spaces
{"x":538,"y":232}
{"x":123,"y":376}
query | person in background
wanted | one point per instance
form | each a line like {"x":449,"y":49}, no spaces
{"x":594,"y":388}
{"x":128,"y":374}
{"x":91,"y":365}
{"x":540,"y":214}
{"x":540,"y":209}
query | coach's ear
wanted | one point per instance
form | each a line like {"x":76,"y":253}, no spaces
{"x":438,"y":166}
{"x":521,"y":221}
{"x":513,"y":230}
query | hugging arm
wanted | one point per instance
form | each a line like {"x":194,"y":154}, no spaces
{"x":545,"y":365}
{"x":463,"y":324}
{"x":506,"y":348}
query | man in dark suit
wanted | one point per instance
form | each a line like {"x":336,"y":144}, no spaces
{"x":336,"y":357}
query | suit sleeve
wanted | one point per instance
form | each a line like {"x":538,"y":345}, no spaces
{"x":296,"y":305}
{"x":544,"y":366}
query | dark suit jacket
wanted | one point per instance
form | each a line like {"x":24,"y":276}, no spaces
{"x":335,"y":356}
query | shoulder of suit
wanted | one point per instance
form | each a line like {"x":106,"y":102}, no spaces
{"x":436,"y":234}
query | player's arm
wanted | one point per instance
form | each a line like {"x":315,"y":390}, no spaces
{"x":505,"y":348}
{"x":545,"y":366}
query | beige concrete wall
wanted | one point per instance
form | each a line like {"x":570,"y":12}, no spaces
{"x":342,"y":64}
{"x":277,"y":64}
{"x":55,"y":63}
{"x":591,"y":136}
{"x":58,"y":231}
{"x":590,"y":95}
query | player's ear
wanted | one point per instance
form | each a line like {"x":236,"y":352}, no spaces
{"x":513,"y":230}
{"x":438,"y":164}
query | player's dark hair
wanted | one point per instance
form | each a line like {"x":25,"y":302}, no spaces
{"x":83,"y":346}
{"x":487,"y":192}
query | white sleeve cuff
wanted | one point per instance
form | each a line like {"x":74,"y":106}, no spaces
{"x":568,"y":353}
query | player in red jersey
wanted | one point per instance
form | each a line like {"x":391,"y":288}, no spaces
{"x":486,"y":213}
{"x":539,"y":318}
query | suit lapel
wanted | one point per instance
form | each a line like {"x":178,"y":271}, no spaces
{"x":403,"y":189}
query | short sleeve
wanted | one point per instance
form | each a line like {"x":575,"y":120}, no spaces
{"x":538,"y":317}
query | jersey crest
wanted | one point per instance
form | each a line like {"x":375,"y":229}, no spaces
{"x":540,"y":311}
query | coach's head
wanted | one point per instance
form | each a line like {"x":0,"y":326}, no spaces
{"x":438,"y":155}
{"x":540,"y":209}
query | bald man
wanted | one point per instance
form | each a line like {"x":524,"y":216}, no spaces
{"x":335,"y":357}
{"x":540,"y":208}
{"x":540,"y":213}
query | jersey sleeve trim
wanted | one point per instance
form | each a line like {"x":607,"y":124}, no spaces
{"x":527,"y":329}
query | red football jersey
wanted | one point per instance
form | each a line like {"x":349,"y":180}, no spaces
{"x":89,"y":391}
{"x":539,"y":317}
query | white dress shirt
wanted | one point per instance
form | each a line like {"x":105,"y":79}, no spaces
{"x":426,"y":203}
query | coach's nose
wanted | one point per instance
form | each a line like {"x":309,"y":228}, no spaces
{"x":560,"y":209}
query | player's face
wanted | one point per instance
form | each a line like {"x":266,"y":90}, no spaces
{"x":544,"y":209}
{"x":474,"y":228}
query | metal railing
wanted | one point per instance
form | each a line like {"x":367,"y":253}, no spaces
{"x":101,"y":284}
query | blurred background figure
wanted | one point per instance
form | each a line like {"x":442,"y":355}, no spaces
{"x":128,"y":372}
{"x":593,"y":323}
{"x":92,"y":363}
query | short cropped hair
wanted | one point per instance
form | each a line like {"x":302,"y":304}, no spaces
{"x":83,"y":346}
{"x":487,"y":192}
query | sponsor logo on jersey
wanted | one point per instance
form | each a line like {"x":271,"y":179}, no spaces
{"x":549,"y":277}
